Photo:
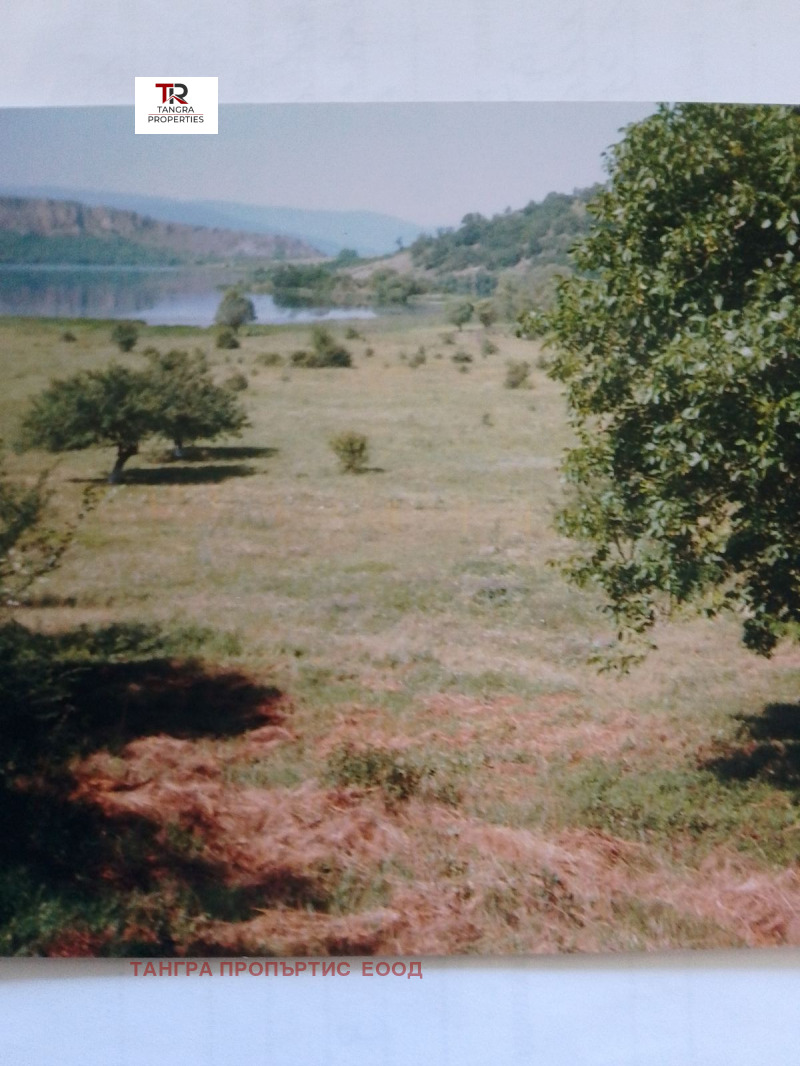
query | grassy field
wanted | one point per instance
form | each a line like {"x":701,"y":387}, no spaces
{"x":332,"y":713}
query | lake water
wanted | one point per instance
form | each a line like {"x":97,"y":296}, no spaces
{"x":166,"y":297}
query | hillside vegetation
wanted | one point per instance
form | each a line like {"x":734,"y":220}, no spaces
{"x":540,"y":233}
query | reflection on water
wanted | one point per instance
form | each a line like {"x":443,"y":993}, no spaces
{"x":170,"y":297}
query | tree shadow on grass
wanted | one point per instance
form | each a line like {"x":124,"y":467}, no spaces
{"x":767,"y":748}
{"x":219,"y":453}
{"x":75,"y":879}
{"x":72,"y":693}
{"x":176,"y":475}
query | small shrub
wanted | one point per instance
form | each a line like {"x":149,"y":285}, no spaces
{"x":226,"y":338}
{"x":70,"y":338}
{"x":461,"y":356}
{"x":418,"y":358}
{"x":486,"y":420}
{"x":517,"y":373}
{"x":488,"y":348}
{"x":125,"y":335}
{"x":369,"y":352}
{"x":270,"y":359}
{"x":448,"y":338}
{"x":396,"y":773}
{"x":352,"y":451}
{"x":236,"y":382}
{"x":150,"y":351}
{"x":340,"y":357}
{"x":326,"y":352}
{"x":352,"y":334}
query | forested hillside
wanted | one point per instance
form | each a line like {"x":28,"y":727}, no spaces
{"x":541,"y":232}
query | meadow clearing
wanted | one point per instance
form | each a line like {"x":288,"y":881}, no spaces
{"x":353,"y":713}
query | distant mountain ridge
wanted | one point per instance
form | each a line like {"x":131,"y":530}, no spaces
{"x":50,"y":230}
{"x":369,"y":233}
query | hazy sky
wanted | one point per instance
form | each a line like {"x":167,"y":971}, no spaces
{"x":426,"y":163}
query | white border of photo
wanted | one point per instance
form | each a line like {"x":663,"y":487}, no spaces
{"x":682,"y":1009}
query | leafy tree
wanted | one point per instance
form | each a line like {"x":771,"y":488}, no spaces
{"x":346,"y":257}
{"x":461,"y":314}
{"x":113,"y":406}
{"x":235,"y":310}
{"x":27,"y":549}
{"x":186,"y":403}
{"x":125,"y":335}
{"x":32,"y":681}
{"x":390,"y":287}
{"x":487,"y":314}
{"x":678,"y":346}
{"x":303,"y":284}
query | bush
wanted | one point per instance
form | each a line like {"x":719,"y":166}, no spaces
{"x":352,"y":334}
{"x":270,"y":359}
{"x":398,"y":773}
{"x":488,"y":348}
{"x":352,"y":451}
{"x":419,"y":358}
{"x":369,"y":352}
{"x":226,"y":338}
{"x":517,"y":373}
{"x":69,"y":337}
{"x":327,"y":352}
{"x":461,"y":356}
{"x":236,"y":382}
{"x":125,"y":335}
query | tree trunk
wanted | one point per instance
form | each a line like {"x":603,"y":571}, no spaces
{"x":177,"y":451}
{"x":124,"y":453}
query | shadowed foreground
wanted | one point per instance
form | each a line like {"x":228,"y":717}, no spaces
{"x":159,"y":824}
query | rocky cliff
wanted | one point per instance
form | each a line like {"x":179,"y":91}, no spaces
{"x":62,"y":219}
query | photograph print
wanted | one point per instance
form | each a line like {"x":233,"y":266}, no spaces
{"x":399,"y":549}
